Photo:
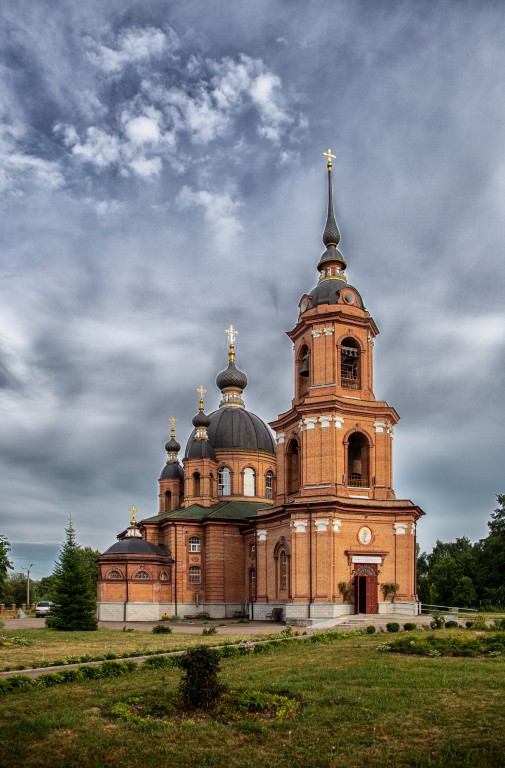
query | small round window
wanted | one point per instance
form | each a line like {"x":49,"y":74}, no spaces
{"x":348,"y":297}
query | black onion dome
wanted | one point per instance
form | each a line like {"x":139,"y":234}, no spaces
{"x":172,"y":446}
{"x":133,"y":546}
{"x":236,"y":429}
{"x":231,"y":377}
{"x":201,"y":420}
{"x":172,"y":471}
{"x":199,"y":449}
{"x":328,"y":292}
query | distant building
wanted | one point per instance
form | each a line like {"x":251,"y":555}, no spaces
{"x":307,"y":523}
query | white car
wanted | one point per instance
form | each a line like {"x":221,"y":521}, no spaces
{"x":43,"y":609}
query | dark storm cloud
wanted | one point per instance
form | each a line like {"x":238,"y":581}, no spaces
{"x":161,"y":176}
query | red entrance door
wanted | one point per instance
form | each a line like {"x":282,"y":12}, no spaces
{"x":365,"y":588}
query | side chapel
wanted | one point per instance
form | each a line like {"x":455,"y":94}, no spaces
{"x":307,"y":523}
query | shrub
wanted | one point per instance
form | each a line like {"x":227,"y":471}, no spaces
{"x":165,"y":617}
{"x":370,"y":629}
{"x":200,"y":687}
{"x":389,"y":589}
{"x":393,"y":626}
{"x":480,"y":623}
{"x":161,"y":629}
{"x":437,"y":621}
{"x":409,"y":626}
{"x":469,"y":624}
{"x":451,"y":624}
{"x":346,"y":591}
{"x":209,"y":631}
{"x":499,"y":624}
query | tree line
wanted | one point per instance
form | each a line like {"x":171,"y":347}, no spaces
{"x":466,"y":575}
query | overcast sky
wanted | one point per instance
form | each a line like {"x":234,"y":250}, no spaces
{"x":161,"y":176}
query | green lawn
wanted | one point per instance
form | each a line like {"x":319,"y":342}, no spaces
{"x":361,"y":707}
{"x":48,"y":645}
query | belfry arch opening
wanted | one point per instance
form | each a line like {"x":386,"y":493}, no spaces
{"x":303,"y":370}
{"x":293,"y":466}
{"x":350,"y":373}
{"x":358,"y":461}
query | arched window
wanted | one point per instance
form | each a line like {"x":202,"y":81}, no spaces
{"x":249,"y":482}
{"x":283,"y":570}
{"x":114,"y":575}
{"x":141,"y":575}
{"x":196,"y":484}
{"x":164,"y":576}
{"x":293,"y":466}
{"x":195,"y":574}
{"x":252,"y":584}
{"x":349,"y":364}
{"x":211,"y":481}
{"x":303,"y":368}
{"x":358,"y":461}
{"x":194,"y":544}
{"x":269,"y":484}
{"x":224,"y":482}
{"x":168,"y":501}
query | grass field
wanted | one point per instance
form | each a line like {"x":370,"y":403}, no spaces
{"x":48,"y":645}
{"x":360,"y":707}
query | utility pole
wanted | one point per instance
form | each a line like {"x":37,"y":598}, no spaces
{"x":28,"y":587}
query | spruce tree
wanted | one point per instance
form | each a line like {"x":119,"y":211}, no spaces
{"x":74,"y":590}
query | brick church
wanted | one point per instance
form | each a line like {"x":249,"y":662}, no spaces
{"x":298,"y":518}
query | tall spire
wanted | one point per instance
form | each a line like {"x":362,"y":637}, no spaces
{"x":331,"y":263}
{"x":331,"y":235}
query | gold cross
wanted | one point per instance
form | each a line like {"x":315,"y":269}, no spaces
{"x":201,"y":391}
{"x":329,"y":156}
{"x":133,"y":510}
{"x":172,"y":420}
{"x":232,"y":334}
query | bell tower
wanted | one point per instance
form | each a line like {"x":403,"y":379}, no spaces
{"x":336,"y":440}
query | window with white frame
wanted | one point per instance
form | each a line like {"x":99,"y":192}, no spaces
{"x":249,"y":482}
{"x":269,"y":484}
{"x":224,"y":482}
{"x":194,"y":544}
{"x":195,"y":574}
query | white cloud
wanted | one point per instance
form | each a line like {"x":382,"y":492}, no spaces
{"x":132,"y":46}
{"x":145,"y":167}
{"x":142,"y":130}
{"x":220,"y":212}
{"x":265,"y":92}
{"x":19,"y":168}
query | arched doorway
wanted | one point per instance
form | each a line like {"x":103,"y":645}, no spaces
{"x":365,"y":589}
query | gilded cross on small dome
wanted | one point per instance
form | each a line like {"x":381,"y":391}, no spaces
{"x":232,"y":334}
{"x":329,"y":156}
{"x":201,"y":391}
{"x":172,"y":421}
{"x":132,"y":512}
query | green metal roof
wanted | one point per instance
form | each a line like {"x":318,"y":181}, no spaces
{"x":224,"y":510}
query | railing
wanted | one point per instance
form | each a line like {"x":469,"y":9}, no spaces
{"x":357,"y":481}
{"x":427,"y":609}
{"x":349,"y":382}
